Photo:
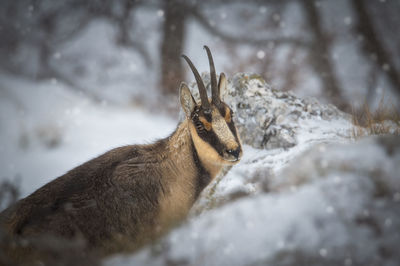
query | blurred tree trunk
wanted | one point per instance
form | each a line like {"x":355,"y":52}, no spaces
{"x":47,"y":23}
{"x":124,"y":23}
{"x":320,"y":55}
{"x":172,"y":46}
{"x":373,"y":46}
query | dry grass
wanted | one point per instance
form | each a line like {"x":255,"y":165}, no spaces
{"x":384,"y":120}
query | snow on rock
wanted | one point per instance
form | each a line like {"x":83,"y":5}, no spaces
{"x":270,"y":119}
{"x":337,"y":204}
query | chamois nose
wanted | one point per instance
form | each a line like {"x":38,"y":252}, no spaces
{"x":234,"y":153}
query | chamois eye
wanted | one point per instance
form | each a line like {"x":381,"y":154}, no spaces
{"x":205,"y":124}
{"x":199,"y":126}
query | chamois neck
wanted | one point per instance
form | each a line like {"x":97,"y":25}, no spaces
{"x":182,"y":145}
{"x":179,"y":144}
{"x":187,"y":159}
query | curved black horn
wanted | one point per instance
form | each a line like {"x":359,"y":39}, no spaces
{"x":200,"y":85}
{"x":213,"y":77}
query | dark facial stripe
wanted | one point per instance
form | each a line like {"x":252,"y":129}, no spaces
{"x":208,"y":136}
{"x":222,"y":111}
{"x":232,"y":127}
{"x":203,"y":178}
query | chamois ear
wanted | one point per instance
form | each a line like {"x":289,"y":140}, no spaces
{"x":222,"y":84}
{"x":187,"y":101}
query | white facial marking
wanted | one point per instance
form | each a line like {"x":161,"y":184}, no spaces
{"x":222,"y":130}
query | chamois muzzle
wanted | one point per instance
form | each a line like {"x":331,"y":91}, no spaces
{"x":233,"y":155}
{"x":234,"y":152}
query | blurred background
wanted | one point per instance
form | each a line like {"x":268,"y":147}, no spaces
{"x":79,"y":77}
{"x":346,"y":52}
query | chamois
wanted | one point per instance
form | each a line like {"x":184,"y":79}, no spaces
{"x":133,"y":194}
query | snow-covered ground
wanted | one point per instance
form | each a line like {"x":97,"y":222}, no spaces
{"x":305,"y":193}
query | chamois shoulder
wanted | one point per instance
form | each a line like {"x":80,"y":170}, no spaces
{"x":84,"y":177}
{"x":82,"y":186}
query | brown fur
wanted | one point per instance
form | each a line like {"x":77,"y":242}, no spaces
{"x":132,"y":191}
{"x":123,"y":198}
{"x":130,"y":195}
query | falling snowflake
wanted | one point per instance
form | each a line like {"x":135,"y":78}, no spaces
{"x":330,"y":209}
{"x":323,"y":252}
{"x":263,"y":10}
{"x":348,"y":262}
{"x":396,"y":197}
{"x":347,"y":21}
{"x":57,"y":55}
{"x":160,"y":13}
{"x":388,"y":222}
{"x":260,"y":54}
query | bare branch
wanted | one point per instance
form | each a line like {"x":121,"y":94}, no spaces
{"x":372,"y":44}
{"x":244,"y":39}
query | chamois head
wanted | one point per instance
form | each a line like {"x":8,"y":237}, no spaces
{"x":211,"y":125}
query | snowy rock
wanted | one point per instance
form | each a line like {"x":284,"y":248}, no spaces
{"x":273,"y":119}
